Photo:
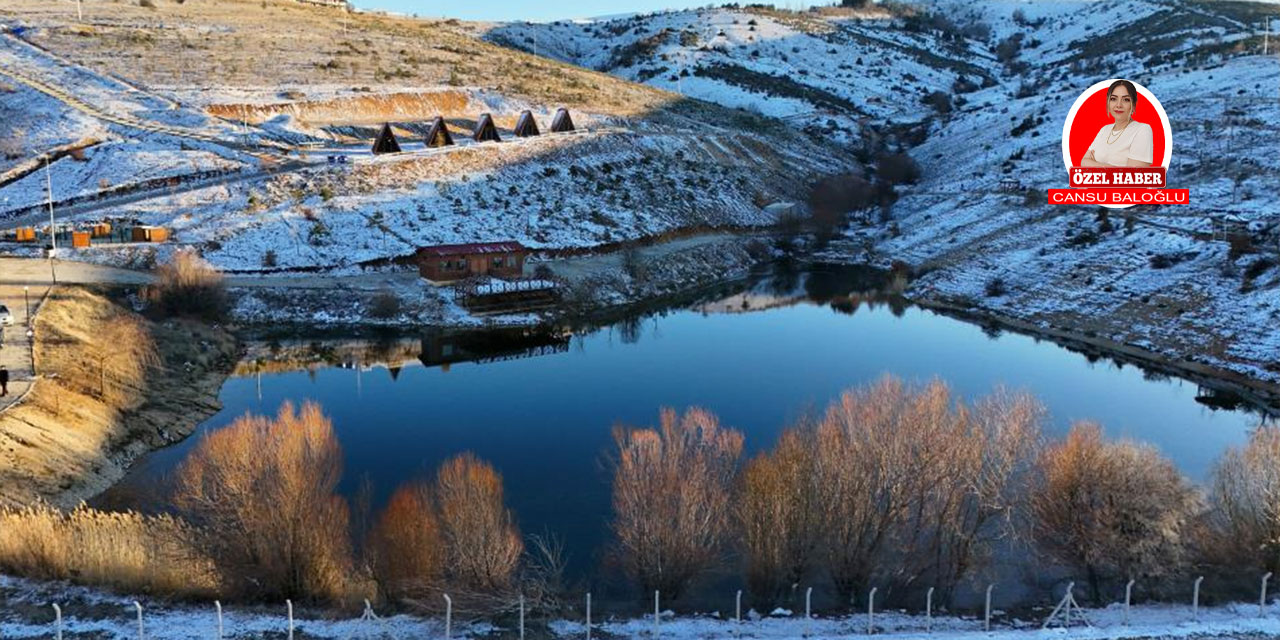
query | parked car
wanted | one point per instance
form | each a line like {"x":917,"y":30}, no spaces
{"x":6,"y":318}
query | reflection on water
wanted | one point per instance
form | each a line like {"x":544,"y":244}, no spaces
{"x":539,"y":404}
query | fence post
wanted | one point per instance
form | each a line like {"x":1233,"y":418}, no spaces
{"x":1128,"y":596}
{"x":522,"y":620}
{"x":1262,"y":600}
{"x":655,"y":613}
{"x":986,"y":619}
{"x":57,"y":621}
{"x":289,"y":604}
{"x":448,"y":616}
{"x":808,"y":609}
{"x":737,"y":608}
{"x":588,"y":615}
{"x":928,"y":610}
{"x":871,"y":611}
{"x":141,"y":634}
{"x":1071,"y":587}
{"x":1195,"y":599}
{"x":218,"y":605}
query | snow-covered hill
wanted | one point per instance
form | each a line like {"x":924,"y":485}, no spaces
{"x":1005,"y":73}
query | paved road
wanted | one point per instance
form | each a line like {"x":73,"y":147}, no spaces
{"x":150,"y":194}
{"x":15,"y":354}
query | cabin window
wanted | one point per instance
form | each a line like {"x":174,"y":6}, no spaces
{"x":497,"y":262}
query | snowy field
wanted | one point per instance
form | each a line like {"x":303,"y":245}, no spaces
{"x":28,"y":613}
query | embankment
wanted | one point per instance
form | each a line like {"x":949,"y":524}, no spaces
{"x":114,"y":386}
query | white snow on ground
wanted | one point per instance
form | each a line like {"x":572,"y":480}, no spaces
{"x":31,"y":122}
{"x":88,"y":611}
{"x":838,"y":69}
{"x":108,"y":165}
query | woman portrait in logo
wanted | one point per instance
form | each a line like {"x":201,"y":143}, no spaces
{"x":1126,"y":142}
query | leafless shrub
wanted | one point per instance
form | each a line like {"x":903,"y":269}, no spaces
{"x":262,"y":492}
{"x":385,"y":304}
{"x":406,"y":550}
{"x":187,"y":285}
{"x":482,"y":542}
{"x":1245,"y":496}
{"x":671,"y":498}
{"x":778,"y":516}
{"x":634,"y":264}
{"x":1112,"y":511}
{"x":897,"y":485}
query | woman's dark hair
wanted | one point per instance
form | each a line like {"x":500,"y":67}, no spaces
{"x":1133,"y":91}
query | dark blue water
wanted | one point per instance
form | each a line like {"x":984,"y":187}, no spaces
{"x":545,"y":421}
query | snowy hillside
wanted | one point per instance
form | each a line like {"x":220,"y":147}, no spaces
{"x":1006,"y":73}
{"x":823,"y":71}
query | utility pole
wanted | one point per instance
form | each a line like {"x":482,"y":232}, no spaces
{"x":53,"y":232}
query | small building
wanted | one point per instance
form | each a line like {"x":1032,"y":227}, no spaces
{"x":526,"y":126}
{"x":562,"y":123}
{"x":439,"y":135}
{"x":486,"y":131}
{"x":149,"y":234}
{"x":80,"y":239}
{"x":102,"y":229}
{"x":386,"y":141}
{"x":25,"y":234}
{"x":449,"y":262}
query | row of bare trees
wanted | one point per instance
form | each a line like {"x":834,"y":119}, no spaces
{"x":262,"y":496}
{"x":905,"y":487}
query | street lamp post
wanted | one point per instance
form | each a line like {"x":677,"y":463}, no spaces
{"x":26,"y":298}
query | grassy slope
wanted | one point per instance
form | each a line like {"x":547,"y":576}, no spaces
{"x":65,"y":442}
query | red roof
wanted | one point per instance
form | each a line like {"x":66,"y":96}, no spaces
{"x":442,"y":250}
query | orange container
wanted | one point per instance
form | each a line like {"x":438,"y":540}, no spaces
{"x":150,"y":234}
{"x":79,"y":239}
{"x":25,"y":234}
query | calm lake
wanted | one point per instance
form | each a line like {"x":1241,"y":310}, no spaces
{"x":758,"y":356}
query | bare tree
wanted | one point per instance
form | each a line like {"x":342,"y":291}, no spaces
{"x":406,"y":549}
{"x":778,"y":515}
{"x":671,"y":498}
{"x":124,"y":351}
{"x":1245,"y":495}
{"x":482,"y":543}
{"x":897,"y":485}
{"x":262,"y":491}
{"x":1113,"y":511}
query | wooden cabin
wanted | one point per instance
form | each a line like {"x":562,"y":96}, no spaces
{"x":526,"y":126}
{"x":486,"y":130}
{"x":439,"y":135}
{"x":562,"y":123}
{"x":386,"y":141}
{"x":150,"y":234}
{"x":449,"y":262}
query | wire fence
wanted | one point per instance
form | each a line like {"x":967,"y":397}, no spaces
{"x":1067,"y":613}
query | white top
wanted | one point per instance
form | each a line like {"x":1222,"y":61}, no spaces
{"x":1135,"y":143}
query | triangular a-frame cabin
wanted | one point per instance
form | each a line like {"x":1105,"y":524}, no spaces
{"x":562,"y":123}
{"x":526,"y":126}
{"x":486,"y":131}
{"x":386,"y":142}
{"x":439,"y":136}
